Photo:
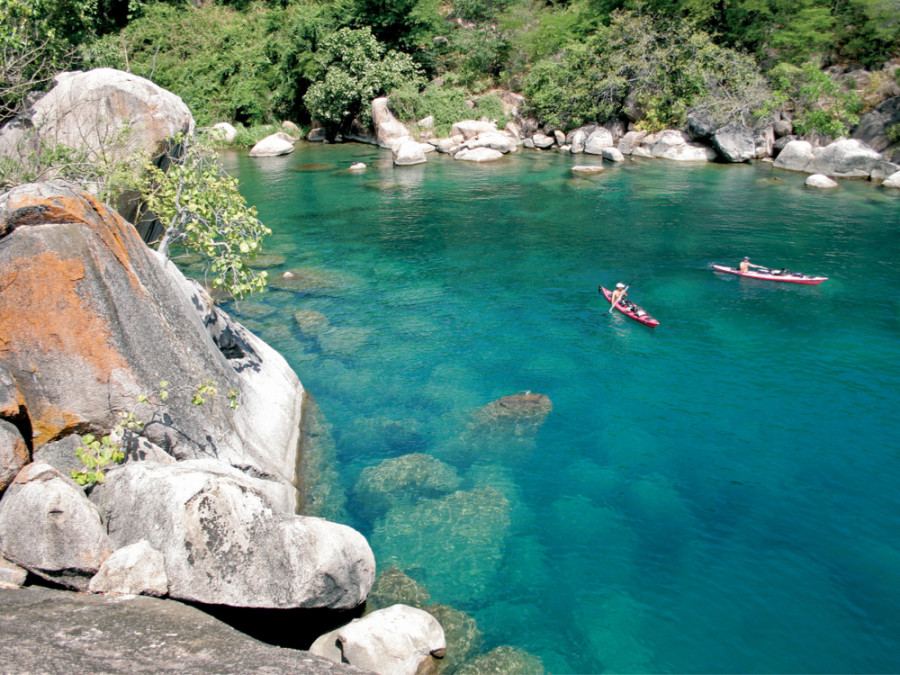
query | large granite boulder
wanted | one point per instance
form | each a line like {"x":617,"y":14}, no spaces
{"x":397,"y":640}
{"x":892,"y":181}
{"x":405,"y":478}
{"x":843,"y":158}
{"x":223,"y":132}
{"x":106,"y":113}
{"x":388,"y":130}
{"x":478,"y":155}
{"x":224,"y":542}
{"x":49,"y":527}
{"x":137,"y":569}
{"x":818,"y":180}
{"x":598,"y":141}
{"x":495,"y":140}
{"x":273,"y":146}
{"x":675,"y":145}
{"x":408,"y":152}
{"x":735,"y":142}
{"x":471,"y":128}
{"x":44,"y":631}
{"x":92,"y":319}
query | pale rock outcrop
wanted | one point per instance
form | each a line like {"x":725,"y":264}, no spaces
{"x":673,"y":145}
{"x":514,"y":130}
{"x":735,"y":142}
{"x":317,"y":135}
{"x":397,"y":640}
{"x":471,"y":128}
{"x":576,"y":140}
{"x":52,"y":298}
{"x":51,"y":631}
{"x":426,"y":122}
{"x":598,"y":140}
{"x":796,"y":155}
{"x":819,"y":180}
{"x":478,"y":155}
{"x":764,"y":139}
{"x":404,"y":478}
{"x":292,"y":130}
{"x":892,"y":181}
{"x":50,"y":528}
{"x":137,"y":569}
{"x":844,"y":158}
{"x":496,"y":140}
{"x":612,"y":155}
{"x":543,"y":141}
{"x":388,"y":129}
{"x":224,"y":132}
{"x":273,"y":146}
{"x":13,"y":453}
{"x":407,"y":152}
{"x":11,"y":575}
{"x":630,"y":141}
{"x":560,"y":137}
{"x":587,"y":170}
{"x":224,"y":543}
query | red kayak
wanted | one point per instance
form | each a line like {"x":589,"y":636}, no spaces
{"x":772,"y":275}
{"x":631,"y":310}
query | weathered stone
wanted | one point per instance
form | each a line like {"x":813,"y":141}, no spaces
{"x":13,"y":453}
{"x":587,"y":170}
{"x":319,"y":483}
{"x":426,"y":122}
{"x":575,"y":139}
{"x":273,"y":146}
{"x":223,"y":131}
{"x":504,"y":659}
{"x":850,"y":158}
{"x":630,"y":141}
{"x":61,"y":454}
{"x":49,"y":527}
{"x":796,"y":155}
{"x":517,"y":415}
{"x":819,"y":180}
{"x":599,"y":139}
{"x":764,"y":139}
{"x":612,"y":155}
{"x":388,"y":129}
{"x":397,"y":640}
{"x":874,"y":125}
{"x":700,"y":126}
{"x":405,"y":478}
{"x":11,"y":575}
{"x":407,"y":152}
{"x":735,"y":143}
{"x":317,"y":135}
{"x":673,"y":145}
{"x":85,"y":272}
{"x":496,"y":140}
{"x":542,"y":141}
{"x":224,"y":543}
{"x":137,"y":569}
{"x":292,"y":130}
{"x":311,"y":322}
{"x":892,"y":181}
{"x":782,"y":127}
{"x":559,"y":136}
{"x":471,"y":128}
{"x":514,"y":130}
{"x":44,"y":630}
{"x":478,"y":155}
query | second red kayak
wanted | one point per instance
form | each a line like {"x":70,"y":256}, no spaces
{"x":631,"y":310}
{"x":773,"y":275}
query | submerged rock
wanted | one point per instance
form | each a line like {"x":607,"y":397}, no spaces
{"x":819,"y":180}
{"x":504,"y":659}
{"x":517,"y":415}
{"x":393,"y":587}
{"x":405,"y":478}
{"x":313,"y":281}
{"x":585,"y":170}
{"x":473,"y":525}
{"x":462,"y":635}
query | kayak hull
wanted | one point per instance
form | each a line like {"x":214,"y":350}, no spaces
{"x":645,"y":319}
{"x":795,"y":278}
{"x":787,"y":278}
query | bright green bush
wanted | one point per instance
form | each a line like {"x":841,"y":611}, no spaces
{"x":819,"y":104}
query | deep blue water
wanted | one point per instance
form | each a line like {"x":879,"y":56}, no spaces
{"x":717,"y":494}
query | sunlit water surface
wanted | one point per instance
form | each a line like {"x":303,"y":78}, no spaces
{"x":717,"y":494}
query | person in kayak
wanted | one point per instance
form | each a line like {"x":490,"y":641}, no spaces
{"x":618,"y":295}
{"x":746,"y":264}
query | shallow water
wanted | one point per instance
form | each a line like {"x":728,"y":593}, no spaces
{"x":717,"y":494}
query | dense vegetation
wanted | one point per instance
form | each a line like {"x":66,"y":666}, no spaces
{"x":576,"y":61}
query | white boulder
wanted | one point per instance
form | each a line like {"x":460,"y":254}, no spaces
{"x":407,"y":152}
{"x":478,"y":155}
{"x":893,"y":181}
{"x":273,"y":146}
{"x":471,"y":128}
{"x":138,"y":569}
{"x":820,"y":180}
{"x":224,"y":132}
{"x":388,"y":129}
{"x":599,"y":139}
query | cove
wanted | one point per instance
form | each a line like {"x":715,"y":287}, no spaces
{"x":717,"y":494}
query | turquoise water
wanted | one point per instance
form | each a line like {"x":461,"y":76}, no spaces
{"x":717,"y":494}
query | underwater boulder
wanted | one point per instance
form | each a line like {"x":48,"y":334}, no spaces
{"x":405,"y":478}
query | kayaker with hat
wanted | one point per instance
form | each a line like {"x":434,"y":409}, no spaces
{"x":746,"y":264}
{"x":619,"y":294}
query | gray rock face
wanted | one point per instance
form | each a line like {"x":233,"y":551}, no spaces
{"x":674,"y":145}
{"x":844,"y":158}
{"x":496,"y":140}
{"x":11,"y":575}
{"x":397,"y":640}
{"x":893,"y":181}
{"x":387,"y":128}
{"x":587,"y":170}
{"x":543,"y":141}
{"x":224,"y":132}
{"x":43,"y":631}
{"x":224,"y":543}
{"x":50,"y":528}
{"x":735,"y":143}
{"x":795,"y":156}
{"x":471,"y":128}
{"x":408,"y":152}
{"x":70,"y":267}
{"x":13,"y":453}
{"x":138,"y":569}
{"x":873,"y":126}
{"x":599,"y":139}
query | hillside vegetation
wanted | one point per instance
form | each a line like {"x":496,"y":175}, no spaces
{"x":576,"y":62}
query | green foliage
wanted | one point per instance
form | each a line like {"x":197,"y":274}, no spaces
{"x":893,"y":133}
{"x":247,"y":137}
{"x":406,"y":25}
{"x":96,"y":455}
{"x":490,"y":106}
{"x":355,"y":69}
{"x":476,"y":57}
{"x":648,"y":70}
{"x":445,"y":103}
{"x":818,"y":103}
{"x":204,"y":212}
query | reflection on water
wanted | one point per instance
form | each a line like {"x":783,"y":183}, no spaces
{"x":716,"y":494}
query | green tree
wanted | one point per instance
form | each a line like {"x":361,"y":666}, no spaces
{"x":355,"y":68}
{"x":818,"y":103}
{"x":203,"y":211}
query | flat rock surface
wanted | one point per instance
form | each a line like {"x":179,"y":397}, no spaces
{"x":51,"y":631}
